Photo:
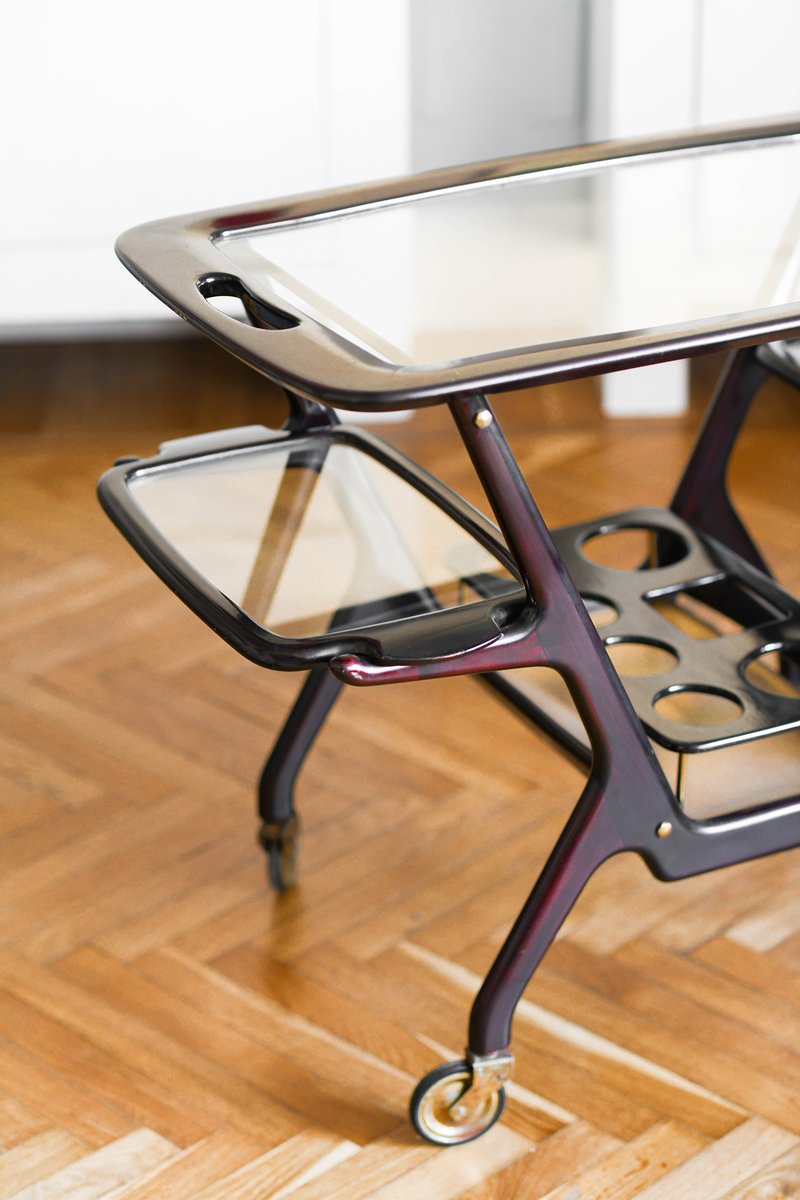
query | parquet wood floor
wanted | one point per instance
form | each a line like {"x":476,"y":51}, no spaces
{"x":171,"y":1028}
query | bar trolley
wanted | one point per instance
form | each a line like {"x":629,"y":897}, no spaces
{"x":318,"y":547}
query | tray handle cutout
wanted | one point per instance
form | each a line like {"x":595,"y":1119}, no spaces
{"x":228,"y":295}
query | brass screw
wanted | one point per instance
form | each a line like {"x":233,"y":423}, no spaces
{"x":664,"y":829}
{"x":483,"y":419}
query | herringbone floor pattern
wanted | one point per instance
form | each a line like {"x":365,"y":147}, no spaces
{"x":171,"y":1029}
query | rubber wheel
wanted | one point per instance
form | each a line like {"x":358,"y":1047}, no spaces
{"x":436,"y":1096}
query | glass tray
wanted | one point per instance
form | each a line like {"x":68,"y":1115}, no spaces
{"x":298,"y":548}
{"x":501,"y":274}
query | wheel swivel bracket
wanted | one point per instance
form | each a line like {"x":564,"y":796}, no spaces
{"x":279,"y":835}
{"x":490,"y":1072}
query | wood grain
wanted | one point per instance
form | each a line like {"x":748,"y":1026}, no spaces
{"x":169,"y":1028}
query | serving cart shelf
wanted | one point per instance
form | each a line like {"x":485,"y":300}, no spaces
{"x":318,"y":547}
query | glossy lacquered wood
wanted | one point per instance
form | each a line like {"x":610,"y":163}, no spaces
{"x":319,"y":349}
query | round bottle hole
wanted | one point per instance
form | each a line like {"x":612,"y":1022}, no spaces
{"x":601,"y":613}
{"x":770,"y":672}
{"x":635,"y":548}
{"x":641,"y":658}
{"x":698,"y":706}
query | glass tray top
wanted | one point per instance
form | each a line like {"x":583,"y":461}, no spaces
{"x":319,"y":539}
{"x":498,"y":275}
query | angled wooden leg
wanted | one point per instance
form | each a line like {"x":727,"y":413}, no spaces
{"x":588,"y":839}
{"x":279,"y":824}
{"x":702,"y":496}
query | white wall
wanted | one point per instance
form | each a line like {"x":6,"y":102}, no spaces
{"x":116,"y":115}
{"x":496,"y":77}
{"x":674,"y":65}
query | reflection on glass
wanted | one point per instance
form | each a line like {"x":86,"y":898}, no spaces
{"x":316,"y":538}
{"x":635,"y":244}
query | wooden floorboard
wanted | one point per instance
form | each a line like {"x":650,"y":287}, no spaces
{"x":169,"y":1027}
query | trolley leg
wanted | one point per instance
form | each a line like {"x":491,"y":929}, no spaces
{"x":587,"y":840}
{"x":702,"y":496}
{"x":460,"y":1100}
{"x":279,"y":825}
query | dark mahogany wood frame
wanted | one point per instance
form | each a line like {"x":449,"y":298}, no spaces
{"x":627,"y":802}
{"x":627,"y":799}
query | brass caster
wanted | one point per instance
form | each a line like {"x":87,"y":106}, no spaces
{"x":459,"y":1101}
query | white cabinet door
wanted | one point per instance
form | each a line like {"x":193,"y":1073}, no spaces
{"x":113,"y":116}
